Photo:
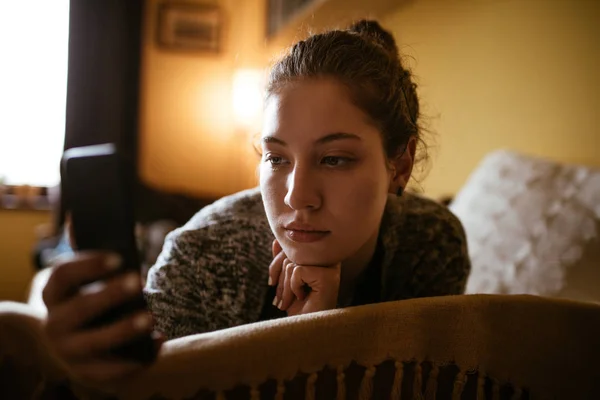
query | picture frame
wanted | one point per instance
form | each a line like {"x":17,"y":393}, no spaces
{"x":191,"y":27}
{"x":280,"y":12}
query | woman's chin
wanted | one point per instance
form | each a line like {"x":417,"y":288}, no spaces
{"x":304,"y":255}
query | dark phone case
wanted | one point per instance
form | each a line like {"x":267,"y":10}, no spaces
{"x":99,"y":196}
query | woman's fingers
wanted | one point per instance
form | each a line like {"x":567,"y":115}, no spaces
{"x":92,"y":302}
{"x":287,"y":296}
{"x":324,"y":285}
{"x":87,"y":344}
{"x":297,"y":283}
{"x":276,"y":248}
{"x":75,"y":271}
{"x":275,"y":268}
{"x":159,"y":338}
{"x":70,"y":231}
{"x":281,"y":283}
{"x":80,"y":289}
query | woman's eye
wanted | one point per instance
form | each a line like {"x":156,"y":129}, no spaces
{"x":275,"y":160}
{"x":333,"y":161}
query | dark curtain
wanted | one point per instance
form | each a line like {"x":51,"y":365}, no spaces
{"x":103,"y":89}
{"x":103,"y":84}
{"x":104,"y":72}
{"x":105,"y":42}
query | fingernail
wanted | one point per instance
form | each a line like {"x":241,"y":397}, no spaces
{"x":275,"y":301}
{"x":279,"y":304}
{"x":142,"y":322}
{"x":132,"y":283}
{"x":270,"y":281}
{"x":113,"y":261}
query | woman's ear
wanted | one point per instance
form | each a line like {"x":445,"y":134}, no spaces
{"x":401,"y":166}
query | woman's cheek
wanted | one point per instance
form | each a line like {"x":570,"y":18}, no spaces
{"x":272,"y":185}
{"x":272,"y":188}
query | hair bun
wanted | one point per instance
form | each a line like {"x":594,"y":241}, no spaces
{"x":372,"y":30}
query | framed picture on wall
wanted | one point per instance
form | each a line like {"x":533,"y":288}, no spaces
{"x":281,"y":11}
{"x":189,"y":27}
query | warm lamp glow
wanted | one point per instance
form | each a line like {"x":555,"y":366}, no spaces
{"x":248,"y":98}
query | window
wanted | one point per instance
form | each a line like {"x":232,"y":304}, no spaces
{"x":33,"y":87}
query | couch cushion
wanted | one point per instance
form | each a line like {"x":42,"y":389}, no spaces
{"x":533,"y":226}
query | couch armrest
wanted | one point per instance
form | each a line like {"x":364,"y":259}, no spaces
{"x":546,"y":347}
{"x":27,"y":369}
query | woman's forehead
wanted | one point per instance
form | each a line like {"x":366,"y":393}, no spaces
{"x":311,"y":108}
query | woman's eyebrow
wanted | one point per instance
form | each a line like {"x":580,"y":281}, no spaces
{"x":273,"y":139}
{"x":332,"y":137}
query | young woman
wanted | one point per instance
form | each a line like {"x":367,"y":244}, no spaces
{"x":328,"y":227}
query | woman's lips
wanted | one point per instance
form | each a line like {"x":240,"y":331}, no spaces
{"x":301,"y":236}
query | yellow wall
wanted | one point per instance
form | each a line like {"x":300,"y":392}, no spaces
{"x":493,"y":74}
{"x":188,"y":141}
{"x":17,"y":239}
{"x":519,"y":74}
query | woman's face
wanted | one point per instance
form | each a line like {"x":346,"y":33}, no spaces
{"x":323,"y":175}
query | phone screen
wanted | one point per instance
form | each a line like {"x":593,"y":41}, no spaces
{"x":99,"y":197}
{"x":98,"y":188}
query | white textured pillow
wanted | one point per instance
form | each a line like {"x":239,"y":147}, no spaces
{"x":533,"y":226}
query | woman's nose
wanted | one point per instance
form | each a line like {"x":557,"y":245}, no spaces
{"x":302,"y":191}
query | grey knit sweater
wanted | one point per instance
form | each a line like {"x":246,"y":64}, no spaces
{"x":212,"y":273}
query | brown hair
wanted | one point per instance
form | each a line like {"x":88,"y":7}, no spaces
{"x":365,"y":58}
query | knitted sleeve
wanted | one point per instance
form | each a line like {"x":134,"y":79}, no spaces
{"x":176,"y":288}
{"x":212,"y":273}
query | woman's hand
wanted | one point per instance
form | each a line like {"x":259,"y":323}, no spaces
{"x":303,"y":289}
{"x":71,"y":305}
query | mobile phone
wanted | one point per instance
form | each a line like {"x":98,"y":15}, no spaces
{"x":98,"y":189}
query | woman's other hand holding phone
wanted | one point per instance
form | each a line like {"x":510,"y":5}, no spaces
{"x":78,"y":291}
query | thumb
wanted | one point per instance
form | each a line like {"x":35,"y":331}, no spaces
{"x":276,"y":248}
{"x":68,"y":226}
{"x":158,"y":338}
